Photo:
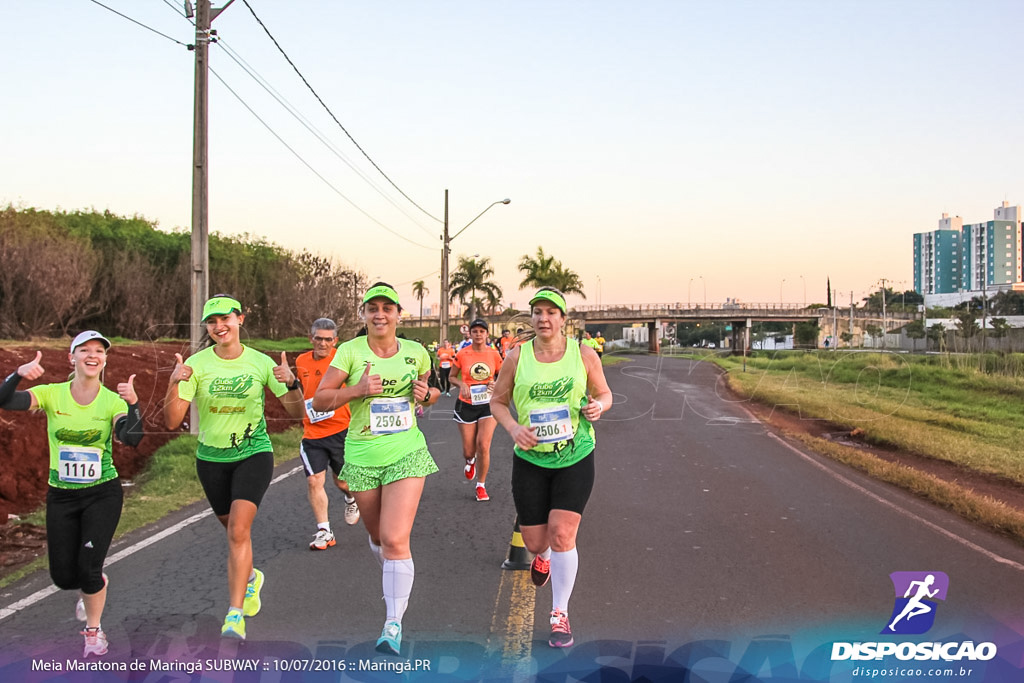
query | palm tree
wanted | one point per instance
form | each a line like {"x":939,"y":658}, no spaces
{"x":419,"y":290}
{"x":545,"y":270}
{"x":470,"y":277}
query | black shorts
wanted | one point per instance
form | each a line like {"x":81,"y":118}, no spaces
{"x":224,"y":482}
{"x":539,"y":490}
{"x":317,"y":454}
{"x":467,"y":413}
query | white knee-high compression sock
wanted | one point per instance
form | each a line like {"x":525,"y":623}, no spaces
{"x":397,"y":580}
{"x":563,"y":578}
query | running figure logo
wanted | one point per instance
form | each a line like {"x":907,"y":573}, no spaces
{"x":914,"y":609}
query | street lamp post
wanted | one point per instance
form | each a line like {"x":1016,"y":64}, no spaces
{"x":805,"y":290}
{"x":705,"y":283}
{"x":780,"y":290}
{"x":445,"y":250}
{"x":690,"y":284}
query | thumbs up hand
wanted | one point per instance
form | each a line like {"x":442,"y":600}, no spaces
{"x":283,"y":373}
{"x":32,"y":369}
{"x":126,"y":390}
{"x":181,"y":372}
{"x":370,"y":385}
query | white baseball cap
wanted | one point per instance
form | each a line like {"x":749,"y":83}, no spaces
{"x":89,"y":335}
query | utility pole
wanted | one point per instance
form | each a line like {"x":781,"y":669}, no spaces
{"x":205,"y":14}
{"x":883,"y":313}
{"x":444,"y":276}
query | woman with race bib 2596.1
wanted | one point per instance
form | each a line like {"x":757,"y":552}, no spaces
{"x":559,"y":389}
{"x":234,"y":459}
{"x":386,"y":456}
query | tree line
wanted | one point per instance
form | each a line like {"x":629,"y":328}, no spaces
{"x":61,"y":272}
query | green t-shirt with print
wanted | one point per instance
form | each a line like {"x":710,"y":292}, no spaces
{"x":383,"y":429}
{"x":549,"y":396}
{"x":229,"y":399}
{"x":79,"y":436}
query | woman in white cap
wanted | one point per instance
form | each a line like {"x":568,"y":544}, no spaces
{"x":234,"y":459}
{"x":386,"y":456}
{"x":83,"y":501}
{"x":559,"y":389}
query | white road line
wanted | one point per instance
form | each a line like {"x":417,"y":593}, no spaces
{"x":906,"y":513}
{"x":127,"y":552}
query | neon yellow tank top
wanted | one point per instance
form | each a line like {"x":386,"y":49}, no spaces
{"x":549,"y":396}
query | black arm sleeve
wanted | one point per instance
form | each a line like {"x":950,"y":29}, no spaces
{"x":10,"y":398}
{"x":128,"y":428}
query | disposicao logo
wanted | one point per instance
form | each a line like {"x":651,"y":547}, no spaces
{"x":913,"y":613}
{"x":916,"y":594}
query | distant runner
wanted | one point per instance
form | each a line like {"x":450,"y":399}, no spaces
{"x":84,"y":498}
{"x":323,"y":434}
{"x":476,"y":367}
{"x":445,"y":355}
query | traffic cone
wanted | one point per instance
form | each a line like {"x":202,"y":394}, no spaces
{"x":518,"y":556}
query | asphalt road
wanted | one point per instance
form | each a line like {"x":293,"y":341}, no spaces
{"x":709,"y":545}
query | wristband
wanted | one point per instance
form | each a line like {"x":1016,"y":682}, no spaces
{"x":600,"y":404}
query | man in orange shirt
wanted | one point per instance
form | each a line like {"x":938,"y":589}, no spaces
{"x":323,"y":434}
{"x":475,"y":368}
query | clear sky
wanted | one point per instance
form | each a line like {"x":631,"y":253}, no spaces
{"x":661,"y":149}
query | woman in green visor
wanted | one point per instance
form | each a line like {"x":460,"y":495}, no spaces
{"x":386,"y":457}
{"x":234,"y":460}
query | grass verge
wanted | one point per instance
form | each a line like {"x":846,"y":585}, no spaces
{"x":169,"y":483}
{"x":973,"y":507}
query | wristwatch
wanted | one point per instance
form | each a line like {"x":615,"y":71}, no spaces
{"x":295,"y":385}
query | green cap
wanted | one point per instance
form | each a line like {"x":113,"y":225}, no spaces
{"x":381,"y":290}
{"x":221,"y":305}
{"x":549,"y":295}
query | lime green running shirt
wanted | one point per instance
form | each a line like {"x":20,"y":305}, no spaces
{"x":383,"y":429}
{"x":79,"y":435}
{"x":549,"y":396}
{"x":229,"y":400}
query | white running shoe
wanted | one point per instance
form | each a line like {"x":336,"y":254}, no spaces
{"x":95,"y":642}
{"x":323,"y":540}
{"x":351,"y":513}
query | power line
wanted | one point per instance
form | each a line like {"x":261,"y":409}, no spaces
{"x":148,"y":28}
{"x":324,"y":105}
{"x":256,"y":76}
{"x":308,"y":125}
{"x":310,"y":167}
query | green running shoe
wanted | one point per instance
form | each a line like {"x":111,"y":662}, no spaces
{"x":251,"y":605}
{"x":390,"y":641}
{"x":234,"y":626}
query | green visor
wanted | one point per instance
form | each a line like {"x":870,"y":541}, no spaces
{"x":221,"y":305}
{"x":549,"y":295}
{"x":381,"y":291}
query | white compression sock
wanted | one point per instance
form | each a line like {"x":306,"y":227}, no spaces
{"x":398,"y":576}
{"x":563,"y":578}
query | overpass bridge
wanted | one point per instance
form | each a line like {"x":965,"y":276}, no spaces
{"x":741,"y":316}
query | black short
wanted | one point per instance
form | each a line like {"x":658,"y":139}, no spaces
{"x":539,"y":490}
{"x":224,"y":482}
{"x":80,"y":524}
{"x":467,"y":413}
{"x":317,"y":454}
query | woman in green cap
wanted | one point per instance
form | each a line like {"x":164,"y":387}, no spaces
{"x":386,"y":456}
{"x":559,"y":389}
{"x":234,"y":460}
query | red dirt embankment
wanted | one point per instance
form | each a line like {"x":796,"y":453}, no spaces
{"x":23,"y":446}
